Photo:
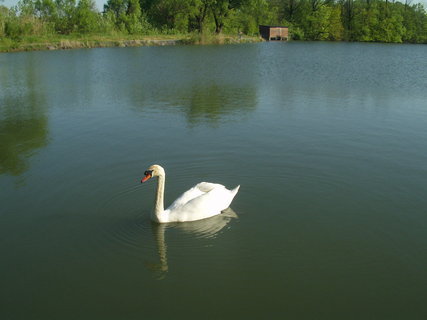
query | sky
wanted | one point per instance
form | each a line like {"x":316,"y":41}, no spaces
{"x":100,"y":3}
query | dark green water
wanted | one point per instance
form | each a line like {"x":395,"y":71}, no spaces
{"x":327,"y":140}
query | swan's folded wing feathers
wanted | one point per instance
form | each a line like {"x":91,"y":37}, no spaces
{"x":196,"y":191}
{"x":186,"y":197}
{"x":202,"y":201}
{"x":208,"y":204}
{"x":207,"y":186}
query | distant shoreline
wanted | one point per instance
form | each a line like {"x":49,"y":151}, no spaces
{"x":67,"y":43}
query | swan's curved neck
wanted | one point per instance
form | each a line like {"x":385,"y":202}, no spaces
{"x":159,"y":201}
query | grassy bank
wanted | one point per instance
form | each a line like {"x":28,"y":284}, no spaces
{"x":57,"y":42}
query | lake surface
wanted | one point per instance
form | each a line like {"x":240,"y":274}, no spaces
{"x":327,"y":140}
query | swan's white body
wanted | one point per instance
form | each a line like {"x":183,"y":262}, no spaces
{"x":202,"y":201}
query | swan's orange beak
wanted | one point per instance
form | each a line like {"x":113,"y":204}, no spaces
{"x":147,"y":176}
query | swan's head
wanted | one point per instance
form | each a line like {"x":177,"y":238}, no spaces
{"x":153,"y":171}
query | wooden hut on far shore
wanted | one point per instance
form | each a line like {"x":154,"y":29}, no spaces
{"x":274,"y":32}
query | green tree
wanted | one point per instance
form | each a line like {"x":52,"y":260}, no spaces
{"x":390,"y":28}
{"x":118,"y":7}
{"x":65,"y":18}
{"x":126,"y":16}
{"x":220,"y":10}
{"x":200,"y":13}
{"x":172,"y":14}
{"x":366,"y":21}
{"x":115,"y":11}
{"x":289,"y":10}
{"x":348,"y":17}
{"x":46,"y":9}
{"x":86,"y":17}
{"x":320,"y":21}
{"x":4,"y":12}
{"x":253,"y":13}
{"x":133,"y":17}
{"x":353,"y":20}
{"x":415,"y":23}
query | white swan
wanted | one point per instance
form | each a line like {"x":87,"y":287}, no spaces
{"x":202,"y":201}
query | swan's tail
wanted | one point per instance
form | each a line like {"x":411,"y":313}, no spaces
{"x":230,"y":197}
{"x":235,"y":190}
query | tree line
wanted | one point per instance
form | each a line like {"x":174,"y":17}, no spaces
{"x":335,"y":20}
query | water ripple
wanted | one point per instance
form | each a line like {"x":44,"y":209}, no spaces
{"x":129,"y":231}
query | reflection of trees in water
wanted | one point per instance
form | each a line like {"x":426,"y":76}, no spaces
{"x":20,"y":135}
{"x":23,"y":125}
{"x":209,"y":104}
{"x":215,"y":103}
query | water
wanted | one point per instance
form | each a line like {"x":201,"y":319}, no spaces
{"x":327,"y":140}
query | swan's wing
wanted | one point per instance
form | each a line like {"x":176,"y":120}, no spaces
{"x":207,"y":186}
{"x":194,"y":192}
{"x":205,"y":205}
{"x":185,"y":197}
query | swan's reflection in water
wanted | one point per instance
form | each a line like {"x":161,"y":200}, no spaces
{"x":206,"y":228}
